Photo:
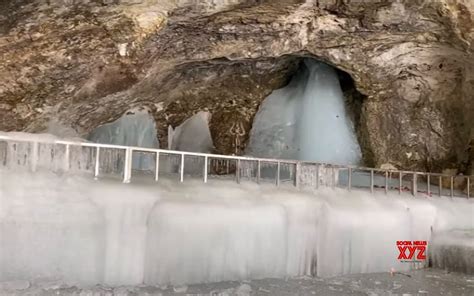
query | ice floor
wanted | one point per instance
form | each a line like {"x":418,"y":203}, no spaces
{"x":420,"y":282}
{"x":76,"y":230}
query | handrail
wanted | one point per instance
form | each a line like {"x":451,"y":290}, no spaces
{"x":130,"y":149}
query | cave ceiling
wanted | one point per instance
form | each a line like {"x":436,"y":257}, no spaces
{"x":84,"y":63}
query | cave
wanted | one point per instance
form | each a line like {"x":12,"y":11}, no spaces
{"x":415,"y":112}
{"x":373,"y":99}
{"x":308,"y":110}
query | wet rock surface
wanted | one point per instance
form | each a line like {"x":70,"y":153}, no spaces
{"x":85,"y":63}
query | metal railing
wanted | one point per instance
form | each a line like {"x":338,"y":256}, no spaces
{"x":297,"y":173}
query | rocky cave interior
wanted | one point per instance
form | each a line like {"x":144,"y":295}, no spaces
{"x":222,"y":95}
{"x":82,"y":68}
{"x":405,"y":69}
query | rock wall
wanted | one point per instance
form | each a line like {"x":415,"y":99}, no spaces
{"x":85,"y":63}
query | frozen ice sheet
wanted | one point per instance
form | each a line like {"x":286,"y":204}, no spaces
{"x":75,"y":229}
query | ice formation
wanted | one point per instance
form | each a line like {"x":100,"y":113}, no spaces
{"x":135,"y":128}
{"x":74,"y":229}
{"x":70,"y":228}
{"x":306,"y":120}
{"x":192,"y":135}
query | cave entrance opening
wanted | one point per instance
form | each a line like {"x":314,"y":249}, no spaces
{"x":312,"y":115}
{"x":310,"y":119}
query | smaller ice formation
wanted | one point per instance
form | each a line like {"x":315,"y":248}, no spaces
{"x":306,"y":120}
{"x":193,"y":135}
{"x":135,"y":128}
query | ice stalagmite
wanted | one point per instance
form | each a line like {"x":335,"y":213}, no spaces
{"x":306,"y":120}
{"x":135,"y":128}
{"x":274,"y":128}
{"x":192,"y":135}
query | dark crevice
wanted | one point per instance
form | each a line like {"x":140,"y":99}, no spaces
{"x":354,"y":102}
{"x":11,"y":13}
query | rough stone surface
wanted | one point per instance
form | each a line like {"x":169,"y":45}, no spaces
{"x":419,"y":282}
{"x":84,"y":63}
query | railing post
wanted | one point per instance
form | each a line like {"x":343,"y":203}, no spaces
{"x":237,"y":171}
{"x":278,"y":174}
{"x":66,"y":158}
{"x":205,"y":168}
{"x":157,"y":166}
{"x":372,"y":181}
{"x":127,"y":170}
{"x":317,"y":176}
{"x":414,"y":185}
{"x":297,"y":175}
{"x":259,"y":167}
{"x":440,"y":187}
{"x":349,"y":180}
{"x":468,"y":186}
{"x":97,"y":163}
{"x":452,"y":186}
{"x":34,"y":157}
{"x":400,"y":182}
{"x":181,"y":169}
{"x":386,"y":182}
{"x":428,"y":184}
{"x":333,"y":177}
